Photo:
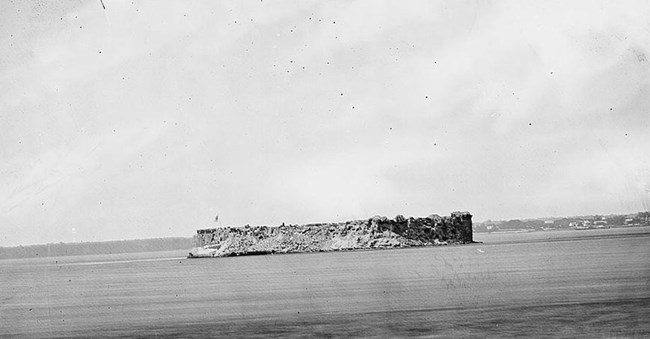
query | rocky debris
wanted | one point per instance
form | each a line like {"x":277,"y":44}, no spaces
{"x":376,"y":232}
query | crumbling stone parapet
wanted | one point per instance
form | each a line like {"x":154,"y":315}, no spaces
{"x":376,"y":232}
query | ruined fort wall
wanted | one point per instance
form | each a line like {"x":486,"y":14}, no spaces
{"x":376,"y":232}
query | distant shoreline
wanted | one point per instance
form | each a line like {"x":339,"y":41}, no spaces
{"x":100,"y":247}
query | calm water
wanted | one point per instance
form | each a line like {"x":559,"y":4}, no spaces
{"x":592,"y":283}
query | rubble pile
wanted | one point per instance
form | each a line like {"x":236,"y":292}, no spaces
{"x":376,"y":232}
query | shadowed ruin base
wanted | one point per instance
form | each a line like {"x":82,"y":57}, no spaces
{"x":376,"y":232}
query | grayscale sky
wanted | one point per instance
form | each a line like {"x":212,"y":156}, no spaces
{"x":149,"y":118}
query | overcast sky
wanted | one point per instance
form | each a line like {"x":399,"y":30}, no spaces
{"x":149,"y":118}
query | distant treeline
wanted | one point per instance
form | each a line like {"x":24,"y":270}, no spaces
{"x":104,"y":247}
{"x":576,"y":222}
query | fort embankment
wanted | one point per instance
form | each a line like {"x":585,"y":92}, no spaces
{"x":374,"y":233}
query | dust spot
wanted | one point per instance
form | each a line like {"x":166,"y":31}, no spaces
{"x":640,"y":56}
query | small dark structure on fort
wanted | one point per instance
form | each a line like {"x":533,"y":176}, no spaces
{"x":376,"y":232}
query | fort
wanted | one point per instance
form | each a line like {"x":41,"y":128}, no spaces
{"x":374,"y":233}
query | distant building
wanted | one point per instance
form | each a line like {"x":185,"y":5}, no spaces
{"x":643,"y":218}
{"x":581,"y":224}
{"x":600,"y":224}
